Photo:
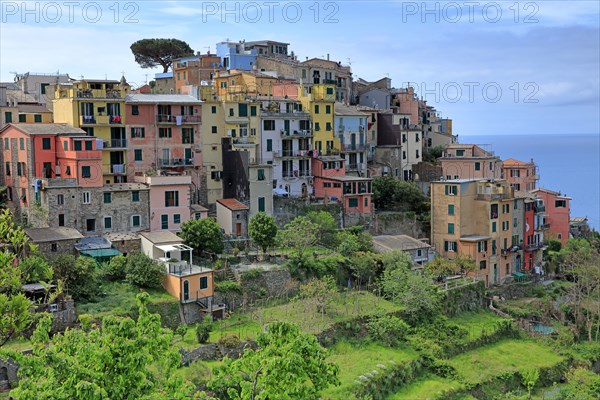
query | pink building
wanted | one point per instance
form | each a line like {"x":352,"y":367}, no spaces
{"x":469,"y":161}
{"x":521,"y":175}
{"x":557,"y":214}
{"x":332,"y":183}
{"x":169,"y":201}
{"x":35,"y":152}
{"x":165,"y":135}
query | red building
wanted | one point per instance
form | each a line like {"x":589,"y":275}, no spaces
{"x":557,"y":214}
{"x":332,"y":183}
{"x":533,"y":234}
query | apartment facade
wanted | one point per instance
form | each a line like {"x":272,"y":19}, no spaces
{"x":469,"y":161}
{"x":351,"y":129}
{"x":521,"y":175}
{"x":474,"y":218}
{"x":557,"y":214}
{"x":169,"y":201}
{"x":399,"y":145}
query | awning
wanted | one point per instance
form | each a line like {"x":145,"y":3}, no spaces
{"x":280,"y":192}
{"x":174,"y":247}
{"x":101,"y":253}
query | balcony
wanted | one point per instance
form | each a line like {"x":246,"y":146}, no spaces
{"x":175,"y":162}
{"x":115,"y":144}
{"x":303,"y":173}
{"x":178,"y":119}
{"x":244,"y":142}
{"x":117,"y":169}
{"x":296,"y":133}
{"x":352,"y":167}
{"x":346,"y":148}
{"x":87,"y":120}
{"x":114,"y":119}
{"x":99,"y":94}
{"x":535,"y":246}
{"x":492,"y":196}
{"x":284,"y":114}
{"x":539,"y":209}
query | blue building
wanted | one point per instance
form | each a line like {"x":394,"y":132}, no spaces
{"x":235,"y":56}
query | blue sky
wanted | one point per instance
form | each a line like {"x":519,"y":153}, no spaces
{"x":517,"y":67}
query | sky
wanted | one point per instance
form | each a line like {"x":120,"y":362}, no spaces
{"x":497,"y":67}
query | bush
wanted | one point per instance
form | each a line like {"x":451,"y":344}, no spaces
{"x":203,"y":329}
{"x":116,"y":269}
{"x":227,"y":287}
{"x":387,"y":329}
{"x":229,"y":340}
{"x":143,"y":271}
{"x":79,"y":276}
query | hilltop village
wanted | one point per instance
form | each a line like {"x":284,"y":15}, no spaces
{"x":248,"y":188}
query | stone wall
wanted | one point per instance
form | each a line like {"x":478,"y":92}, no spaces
{"x":398,"y":223}
{"x":286,"y":209}
{"x":62,"y":247}
{"x":191,"y":312}
{"x":8,"y":374}
{"x":128,"y":246}
{"x":65,"y":317}
{"x":515,"y":290}
{"x":215,"y":351}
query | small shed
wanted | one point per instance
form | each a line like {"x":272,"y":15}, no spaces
{"x":232,"y":216}
{"x":97,"y":247}
{"x":420,"y":251}
{"x":54,"y":241}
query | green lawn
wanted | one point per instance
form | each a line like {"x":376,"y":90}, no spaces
{"x":505,"y":356}
{"x":119,"y":298}
{"x":427,"y":387}
{"x":355,"y":359}
{"x":16,"y":345}
{"x":477,"y":323}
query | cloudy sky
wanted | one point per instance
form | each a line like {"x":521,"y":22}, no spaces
{"x":494,"y":67}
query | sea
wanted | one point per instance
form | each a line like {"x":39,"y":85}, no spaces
{"x":569,"y":164}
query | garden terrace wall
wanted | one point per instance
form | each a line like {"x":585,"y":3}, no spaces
{"x":471,"y":297}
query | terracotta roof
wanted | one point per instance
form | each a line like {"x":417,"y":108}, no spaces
{"x":512,"y":161}
{"x":232,"y":204}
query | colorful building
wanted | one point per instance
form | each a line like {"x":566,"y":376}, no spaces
{"x":469,"y":161}
{"x":399,"y":145}
{"x":195,"y":70}
{"x":319,"y":100}
{"x":474,"y":218}
{"x":351,"y":129}
{"x":333,"y":184}
{"x":533,"y":243}
{"x":98,"y":107}
{"x":521,"y":175}
{"x":232,"y":217}
{"x":557,"y":214}
{"x":169,"y":203}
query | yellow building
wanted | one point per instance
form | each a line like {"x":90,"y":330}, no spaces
{"x":244,"y":83}
{"x":473,"y":218}
{"x":98,"y":107}
{"x":320,"y":100}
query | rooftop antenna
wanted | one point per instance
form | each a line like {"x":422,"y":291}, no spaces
{"x":146,"y":81}
{"x":207,"y":47}
{"x":349,"y":61}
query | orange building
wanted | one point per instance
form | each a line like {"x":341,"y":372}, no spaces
{"x":469,"y":161}
{"x":521,"y":175}
{"x":195,"y":69}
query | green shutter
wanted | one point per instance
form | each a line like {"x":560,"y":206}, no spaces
{"x":269,"y":145}
{"x":445,"y":245}
{"x":261,"y":204}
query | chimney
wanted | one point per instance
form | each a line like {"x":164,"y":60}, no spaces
{"x":327,"y":56}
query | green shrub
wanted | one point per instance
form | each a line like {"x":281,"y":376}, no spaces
{"x":116,"y":269}
{"x":203,"y":329}
{"x":143,"y":271}
{"x":387,"y":329}
{"x":229,"y":340}
{"x":251,"y":274}
{"x":228,"y":287}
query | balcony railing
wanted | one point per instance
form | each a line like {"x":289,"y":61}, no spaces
{"x":244,"y":141}
{"x":178,"y":119}
{"x":99,"y":94}
{"x":303,"y":173}
{"x":116,"y":144}
{"x":354,"y":147}
{"x":114,"y":119}
{"x":117,"y":168}
{"x":175,"y":162}
{"x":492,"y":196}
{"x":535,"y":246}
{"x":296,"y":133}
{"x":87,"y":119}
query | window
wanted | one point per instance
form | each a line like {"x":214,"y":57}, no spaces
{"x":90,"y":225}
{"x":68,"y":170}
{"x":231,"y":113}
{"x":86,"y":171}
{"x":261,"y":174}
{"x":482,"y":246}
{"x":65,"y":145}
{"x":85,"y":197}
{"x":172,"y":199}
{"x":451,"y":190}
{"x":6,"y":144}
{"x":20,"y":169}
{"x":366,"y":202}
{"x":137,"y":155}
{"x":8,"y":117}
{"x":77,"y":145}
{"x":22,"y":143}
{"x":60,"y":199}
{"x":187,"y":135}
{"x":213,"y":129}
{"x":164,"y":221}
{"x":164,"y":133}
{"x":135,"y":110}
{"x":505,"y":208}
{"x":203,"y":282}
{"x":243,"y":109}
{"x":515,"y":223}
{"x":493,"y":247}
{"x":494,"y":211}
{"x":451,"y":229}
{"x":176,"y":218}
{"x":482,"y":265}
{"x":417,"y":153}
{"x":450,"y":209}
{"x":107,"y":197}
{"x":37,"y":118}
{"x":317,"y":126}
{"x":261,"y":204}
{"x":460,"y":153}
{"x":559,"y":236}
{"x":329,"y":90}
{"x":213,"y":109}
{"x":136,"y":221}
{"x":328,"y":126}
{"x":88,"y":145}
{"x":560,"y":203}
{"x":494,"y":228}
{"x":316,"y":108}
{"x":450,"y":246}
{"x":505,"y":225}
{"x":107,"y":222}
{"x":46,"y":143}
{"x":22,"y":117}
{"x":7,"y":168}
{"x":477,"y":166}
{"x":269,"y":125}
{"x":61,"y":219}
{"x":253,"y":111}
{"x":138,"y":132}
{"x":269,"y":144}
{"x":353,"y":203}
{"x":327,"y":109}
